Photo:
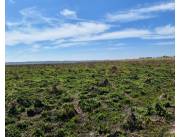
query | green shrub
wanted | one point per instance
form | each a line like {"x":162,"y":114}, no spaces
{"x":67,"y":99}
{"x":160,"y":110}
{"x":68,"y":112}
{"x":104,"y":83}
{"x":13,"y":110}
{"x":12,"y":131}
{"x":149,"y":110}
{"x":24,"y":102}
{"x":60,"y":133}
{"x":56,"y":89}
{"x":38,"y":133}
{"x":33,"y":111}
{"x":103,"y":129}
{"x":89,"y":105}
{"x":10,"y":120}
{"x":51,"y":116}
{"x":38,"y":103}
{"x":22,"y":125}
{"x":116,"y":134}
{"x":132,"y":123}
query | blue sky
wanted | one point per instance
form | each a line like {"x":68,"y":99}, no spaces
{"x":46,"y":30}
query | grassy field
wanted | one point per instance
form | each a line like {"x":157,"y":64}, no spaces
{"x":133,"y":98}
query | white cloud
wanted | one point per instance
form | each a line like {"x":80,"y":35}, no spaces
{"x":140,"y":13}
{"x":65,"y":45}
{"x":69,"y":34}
{"x":31,"y":17}
{"x":163,"y":32}
{"x":127,"y":17}
{"x":164,"y":43}
{"x":60,"y":34}
{"x":64,"y":31}
{"x":121,"y":34}
{"x":68,"y":13}
{"x":156,"y":8}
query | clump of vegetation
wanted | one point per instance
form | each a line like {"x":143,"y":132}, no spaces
{"x":89,"y":105}
{"x":68,"y":112}
{"x":104,"y":83}
{"x":12,"y":131}
{"x":32,"y":112}
{"x":56,"y":89}
{"x":132,"y":123}
{"x":91,"y":99}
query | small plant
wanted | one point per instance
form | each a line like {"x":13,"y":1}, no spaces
{"x":104,"y":83}
{"x":12,"y":131}
{"x":68,"y":112}
{"x":113,"y":69}
{"x":103,"y":129}
{"x":116,"y":134}
{"x":89,"y":105}
{"x":22,"y":125}
{"x":149,"y":110}
{"x":38,"y":103}
{"x":132,"y":123}
{"x":32,"y":112}
{"x":13,"y":109}
{"x":160,"y":110}
{"x":56,"y":89}
{"x":38,"y":133}
{"x":24,"y":102}
{"x":60,"y":133}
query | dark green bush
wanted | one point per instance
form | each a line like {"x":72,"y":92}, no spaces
{"x":104,"y":83}
{"x":116,"y":134}
{"x":38,"y":103}
{"x":132,"y":123}
{"x":32,"y":112}
{"x":24,"y":102}
{"x":60,"y":133}
{"x":160,"y":110}
{"x":149,"y":110}
{"x":103,"y":129}
{"x":13,"y":110}
{"x":12,"y":131}
{"x":38,"y":133}
{"x":22,"y":125}
{"x":68,"y":112}
{"x":89,"y":105}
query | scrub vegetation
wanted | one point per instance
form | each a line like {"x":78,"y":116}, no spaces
{"x":130,"y":98}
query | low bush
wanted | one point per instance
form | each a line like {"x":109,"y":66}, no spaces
{"x":38,"y":133}
{"x":33,"y":111}
{"x":12,"y":131}
{"x":88,"y":105}
{"x":132,"y":123}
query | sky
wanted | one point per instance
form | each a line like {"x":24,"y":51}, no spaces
{"x":63,"y":30}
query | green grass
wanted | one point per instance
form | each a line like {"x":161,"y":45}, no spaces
{"x":107,"y":99}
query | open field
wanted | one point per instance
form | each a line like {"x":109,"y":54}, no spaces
{"x":133,"y":98}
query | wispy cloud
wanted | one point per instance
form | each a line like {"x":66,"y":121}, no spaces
{"x":32,"y":17}
{"x":85,"y":32}
{"x":164,"y":43}
{"x":163,"y":32}
{"x":139,"y":13}
{"x":62,"y":34}
{"x":64,"y":31}
{"x":68,"y":13}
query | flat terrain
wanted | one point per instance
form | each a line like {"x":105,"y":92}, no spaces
{"x":132,"y":98}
